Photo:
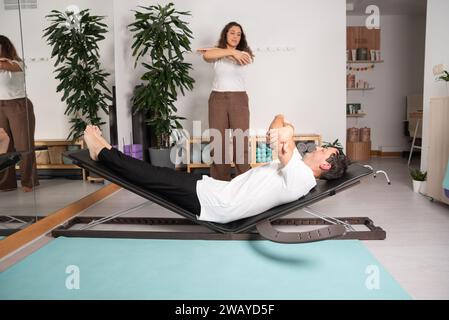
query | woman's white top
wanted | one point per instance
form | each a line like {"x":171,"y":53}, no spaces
{"x":229,"y":76}
{"x":12,"y":84}
{"x":254,"y":191}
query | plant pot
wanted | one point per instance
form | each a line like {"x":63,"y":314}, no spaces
{"x":42,"y":157}
{"x":416,"y":186}
{"x":423,"y":188}
{"x":161,"y":157}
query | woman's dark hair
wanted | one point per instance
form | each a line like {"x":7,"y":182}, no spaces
{"x":339,"y":163}
{"x":242,"y":46}
{"x":7,"y":49}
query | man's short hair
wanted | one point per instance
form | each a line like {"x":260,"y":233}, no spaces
{"x":339,"y":163}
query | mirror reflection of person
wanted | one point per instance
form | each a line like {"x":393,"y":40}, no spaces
{"x":228,"y":101}
{"x":4,"y":141}
{"x":17,"y":119}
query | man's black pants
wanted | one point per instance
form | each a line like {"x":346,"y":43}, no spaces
{"x":177,"y":187}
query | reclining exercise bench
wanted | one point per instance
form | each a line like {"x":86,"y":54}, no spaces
{"x":256,"y":227}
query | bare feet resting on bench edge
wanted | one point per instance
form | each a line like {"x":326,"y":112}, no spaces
{"x":4,"y":141}
{"x":94,"y":141}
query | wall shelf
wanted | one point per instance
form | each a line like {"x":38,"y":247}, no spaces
{"x":356,"y":115}
{"x":364,"y":61}
{"x":359,"y":89}
{"x":58,"y":166}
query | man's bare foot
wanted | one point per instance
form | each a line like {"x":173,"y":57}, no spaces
{"x":4,"y":141}
{"x":94,"y":142}
{"x":100,"y":138}
{"x":97,"y":131}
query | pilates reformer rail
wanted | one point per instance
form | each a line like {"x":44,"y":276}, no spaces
{"x":23,"y":221}
{"x":371,"y":231}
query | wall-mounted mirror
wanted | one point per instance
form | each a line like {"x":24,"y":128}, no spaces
{"x":56,"y":32}
{"x":18,"y":176}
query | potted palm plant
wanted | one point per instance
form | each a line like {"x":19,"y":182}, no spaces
{"x":160,"y":39}
{"x":74,"y":38}
{"x":419,"y":178}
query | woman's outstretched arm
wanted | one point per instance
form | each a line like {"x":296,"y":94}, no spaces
{"x":213,"y":54}
{"x":9,"y":65}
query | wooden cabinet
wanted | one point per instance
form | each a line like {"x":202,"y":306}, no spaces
{"x":253,"y":141}
{"x":438,"y":148}
{"x":362,"y":37}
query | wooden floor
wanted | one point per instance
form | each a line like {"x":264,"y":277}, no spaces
{"x":416,"y":251}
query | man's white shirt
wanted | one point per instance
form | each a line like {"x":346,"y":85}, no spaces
{"x":255,"y":191}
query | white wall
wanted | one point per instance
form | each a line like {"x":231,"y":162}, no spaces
{"x":437,"y":52}
{"x":401,"y":74}
{"x":10,"y":26}
{"x":51,"y":123}
{"x":307,"y":84}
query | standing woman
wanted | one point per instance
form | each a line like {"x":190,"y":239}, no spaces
{"x":228,"y":101}
{"x":16,"y":118}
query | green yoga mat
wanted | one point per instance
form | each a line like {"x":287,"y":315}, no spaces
{"x":84,"y":268}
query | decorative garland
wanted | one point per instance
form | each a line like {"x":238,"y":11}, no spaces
{"x":360,"y":68}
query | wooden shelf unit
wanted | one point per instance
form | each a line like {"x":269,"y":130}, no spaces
{"x":58,"y":142}
{"x":253,"y":140}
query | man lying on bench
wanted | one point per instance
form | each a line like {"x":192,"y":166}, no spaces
{"x":257,"y":190}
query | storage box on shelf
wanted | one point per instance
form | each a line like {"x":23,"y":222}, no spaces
{"x":197,"y":154}
{"x":358,"y":144}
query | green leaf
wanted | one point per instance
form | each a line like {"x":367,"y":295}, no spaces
{"x":418,"y":175}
